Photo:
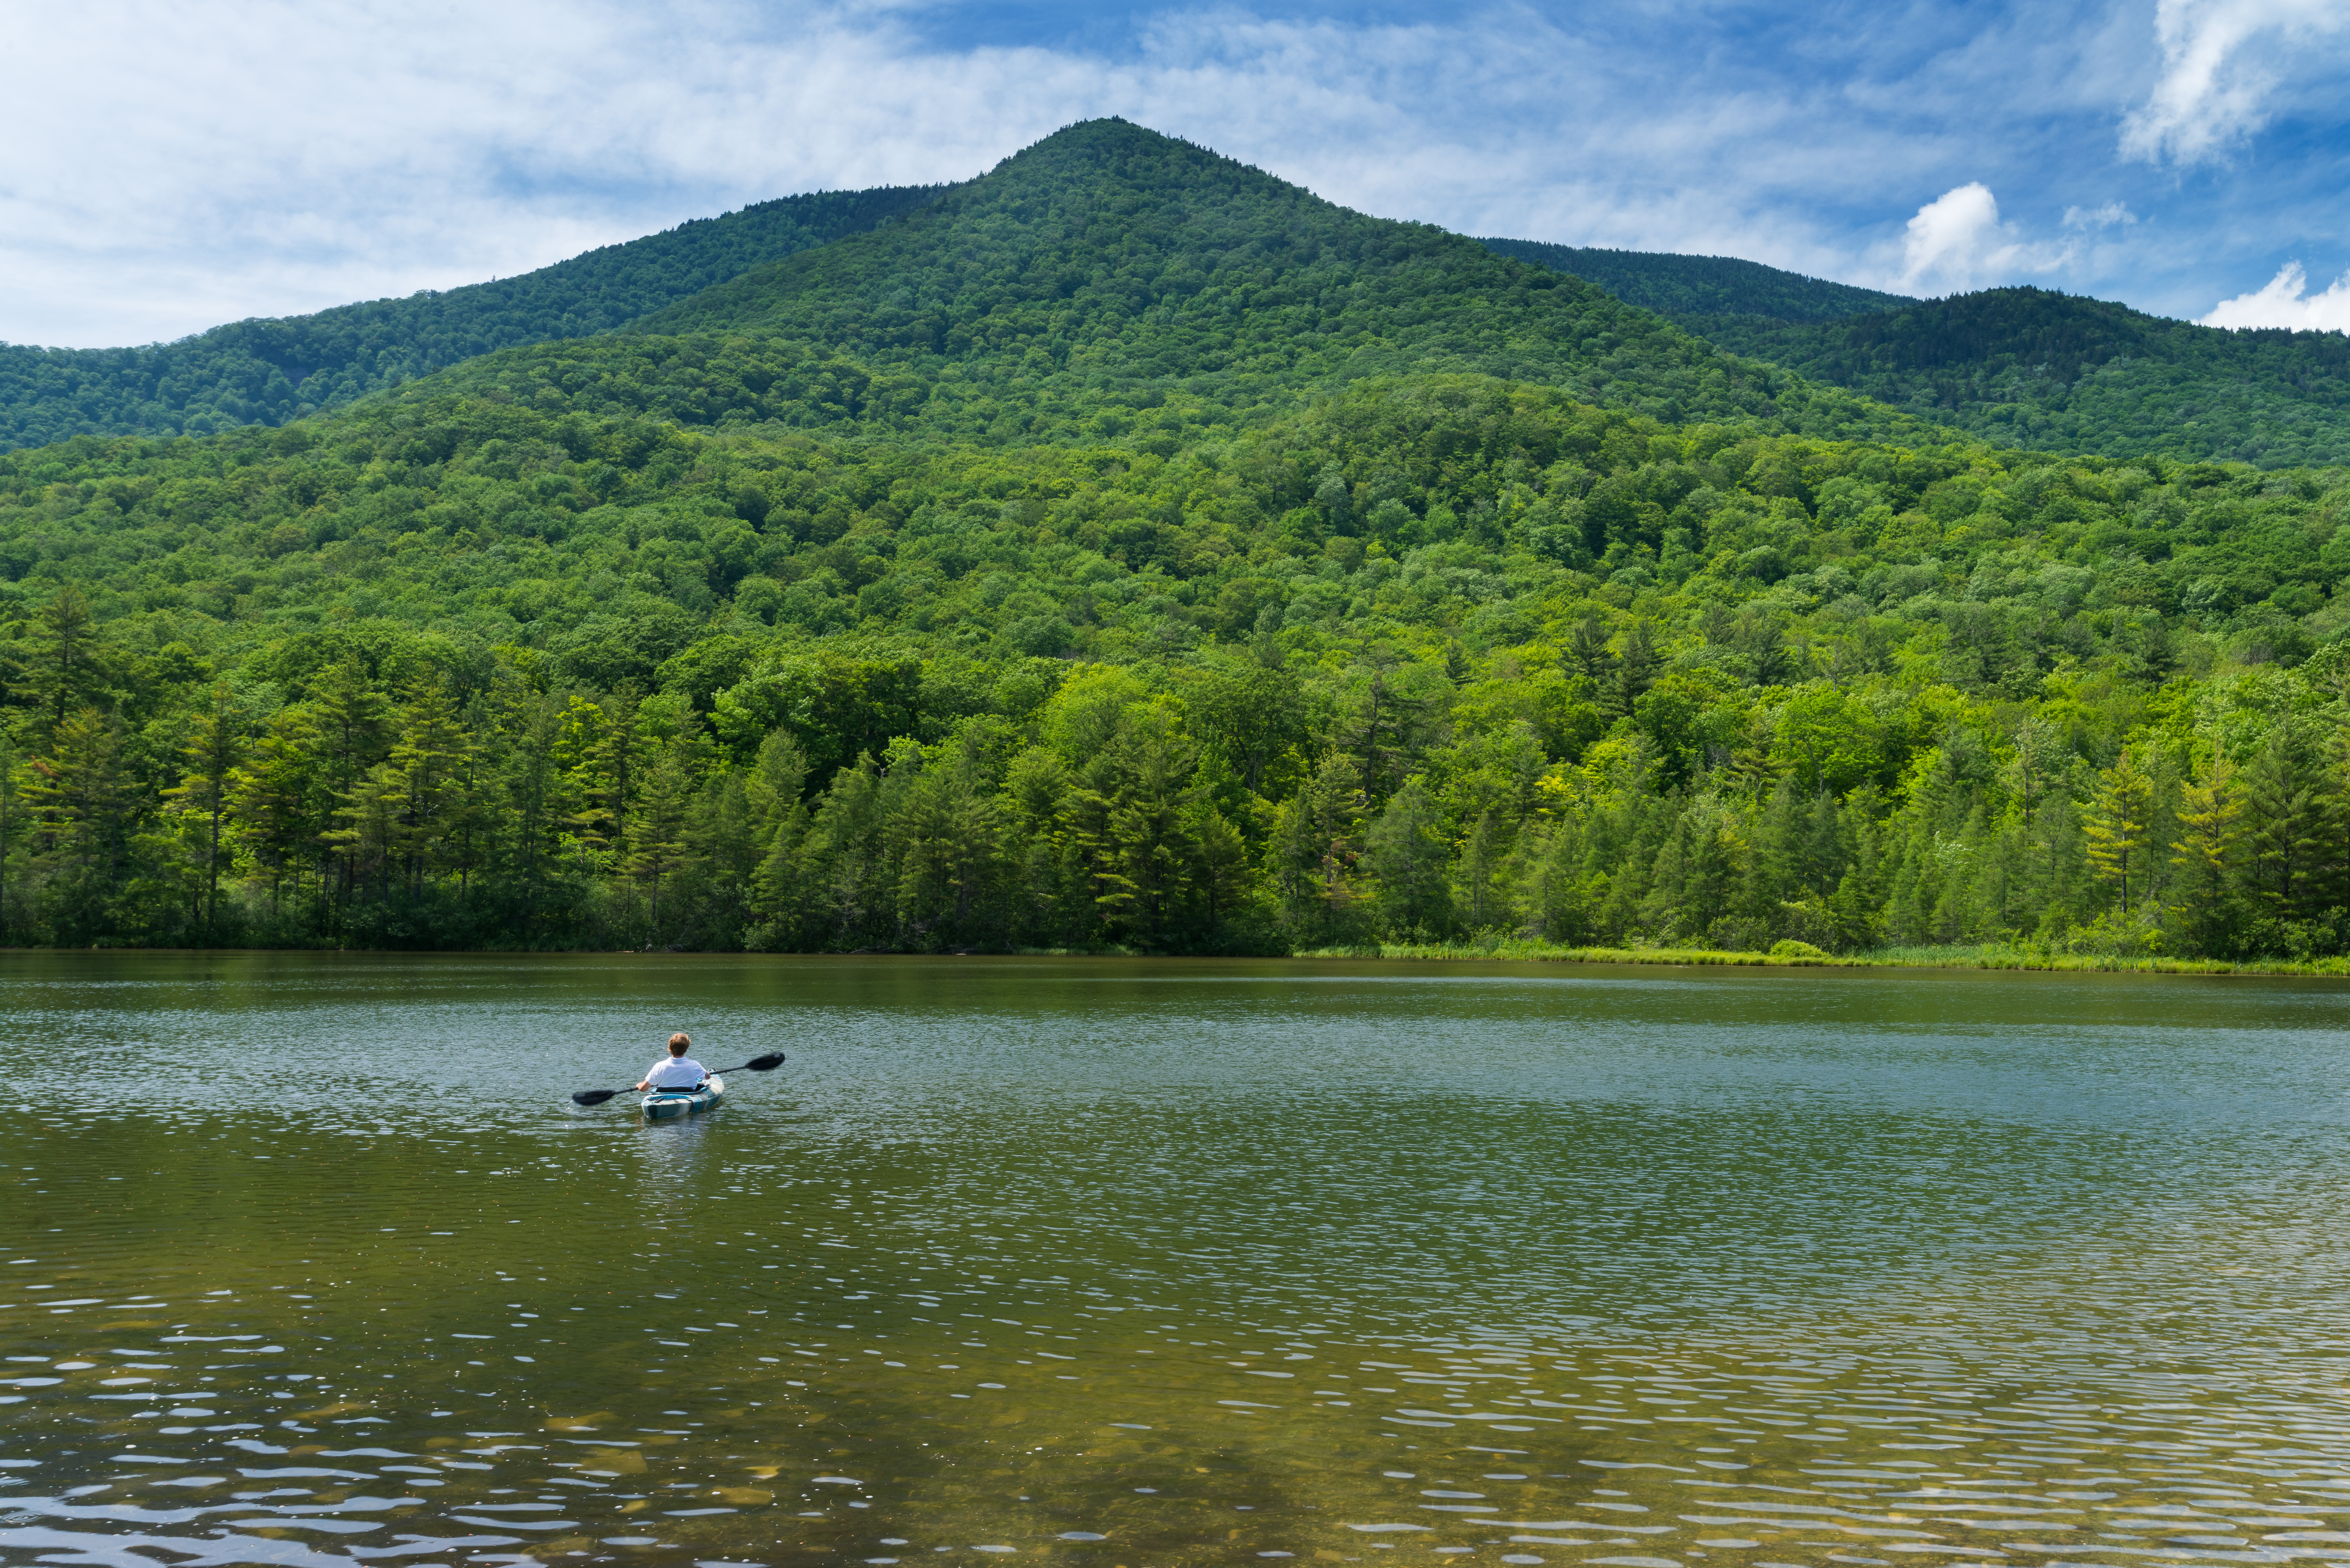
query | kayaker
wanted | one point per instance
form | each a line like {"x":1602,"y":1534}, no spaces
{"x":678,"y":1070}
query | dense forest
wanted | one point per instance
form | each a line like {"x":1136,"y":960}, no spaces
{"x":1063,"y":604}
{"x":1679,"y":285}
{"x":2029,"y":368}
{"x":267,"y":372}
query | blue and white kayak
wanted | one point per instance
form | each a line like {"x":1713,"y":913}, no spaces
{"x":684,"y":1102}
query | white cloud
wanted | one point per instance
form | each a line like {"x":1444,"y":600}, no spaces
{"x":2113,"y":214}
{"x":172,"y":166}
{"x":2286,"y":302}
{"x":1957,"y":243}
{"x":2222,"y":63}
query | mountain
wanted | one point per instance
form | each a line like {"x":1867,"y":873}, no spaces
{"x":2034,"y":368}
{"x":1679,"y":285}
{"x":269,"y":371}
{"x":1082,"y":282}
{"x":1130,"y":551}
{"x":2027,"y":368}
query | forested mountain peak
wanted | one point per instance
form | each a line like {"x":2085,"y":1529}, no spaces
{"x":1089,"y":278}
{"x":1677,"y":285}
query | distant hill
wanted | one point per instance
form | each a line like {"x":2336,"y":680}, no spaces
{"x":1681,"y":286}
{"x":2026,"y":367}
{"x":2032,"y":368}
{"x":267,"y":371}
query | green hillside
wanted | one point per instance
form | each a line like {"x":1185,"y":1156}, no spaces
{"x":1130,"y":551}
{"x":1108,"y":259}
{"x":2029,"y":368}
{"x":269,"y":371}
{"x":1679,"y":286}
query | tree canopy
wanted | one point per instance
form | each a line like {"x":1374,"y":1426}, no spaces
{"x":1188,"y":583}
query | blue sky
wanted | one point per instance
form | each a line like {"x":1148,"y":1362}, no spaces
{"x":171,"y":167}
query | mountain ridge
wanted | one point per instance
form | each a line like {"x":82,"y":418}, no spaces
{"x":266,"y":371}
{"x":2041,"y":368}
{"x":1677,"y":285}
{"x":1107,"y":252}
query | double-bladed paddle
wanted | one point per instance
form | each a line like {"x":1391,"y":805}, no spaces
{"x":767,"y":1064}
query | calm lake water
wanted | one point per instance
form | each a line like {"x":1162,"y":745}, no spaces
{"x":308,"y":1260}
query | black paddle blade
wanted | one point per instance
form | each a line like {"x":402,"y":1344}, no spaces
{"x":765,"y":1064}
{"x":594,"y":1096}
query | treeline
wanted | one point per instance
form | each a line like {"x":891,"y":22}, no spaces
{"x":269,"y":371}
{"x":848,"y":797}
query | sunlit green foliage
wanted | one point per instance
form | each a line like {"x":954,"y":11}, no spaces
{"x":1432,"y":657}
{"x":1156,"y":635}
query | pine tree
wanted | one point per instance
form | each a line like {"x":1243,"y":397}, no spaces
{"x":1483,"y":898}
{"x":273,"y":799}
{"x":1221,"y":873}
{"x":80,"y":805}
{"x":1588,"y":647}
{"x":1636,"y":671}
{"x":2211,"y":821}
{"x":657,"y":832}
{"x":1405,"y":851}
{"x":2120,"y":817}
{"x":211,"y":754}
{"x":66,"y":672}
{"x":350,"y":712}
{"x":2280,"y":841}
{"x":946,"y":838}
{"x":1316,"y":845}
{"x":434,"y":756}
{"x":375,"y":840}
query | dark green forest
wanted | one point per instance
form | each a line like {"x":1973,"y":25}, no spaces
{"x":2029,"y":368}
{"x":267,"y":372}
{"x":1679,"y":285}
{"x":1127,"y":550}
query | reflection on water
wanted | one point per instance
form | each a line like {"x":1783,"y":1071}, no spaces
{"x":1173,"y":1263}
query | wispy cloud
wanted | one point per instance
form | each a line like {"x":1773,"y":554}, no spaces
{"x":2286,"y":302}
{"x":2222,"y":63}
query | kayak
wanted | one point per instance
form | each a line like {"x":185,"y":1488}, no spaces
{"x":684,"y":1102}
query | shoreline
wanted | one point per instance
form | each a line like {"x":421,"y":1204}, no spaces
{"x":1986,"y":957}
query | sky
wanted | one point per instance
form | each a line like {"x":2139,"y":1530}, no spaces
{"x":169,"y":167}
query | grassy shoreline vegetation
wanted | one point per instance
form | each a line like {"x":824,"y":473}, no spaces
{"x":1128,"y":552}
{"x":1975,"y":956}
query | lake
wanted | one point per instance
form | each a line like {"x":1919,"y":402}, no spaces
{"x":309,"y":1261}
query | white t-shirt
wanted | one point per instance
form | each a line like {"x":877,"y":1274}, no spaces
{"x":675,"y":1072}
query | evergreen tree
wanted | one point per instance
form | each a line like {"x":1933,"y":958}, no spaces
{"x":81,"y":808}
{"x":2279,"y":840}
{"x":275,"y":801}
{"x":2211,"y":821}
{"x":1407,"y":856}
{"x":2120,"y":820}
{"x":657,"y":832}
{"x":211,"y":754}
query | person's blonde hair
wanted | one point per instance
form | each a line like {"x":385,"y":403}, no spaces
{"x":678,"y":1044}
